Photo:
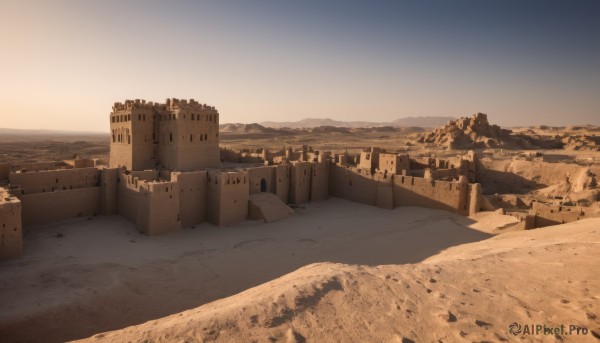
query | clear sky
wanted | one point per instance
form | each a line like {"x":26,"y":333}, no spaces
{"x":64,"y":63}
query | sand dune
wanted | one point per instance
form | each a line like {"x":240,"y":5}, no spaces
{"x":472,"y":292}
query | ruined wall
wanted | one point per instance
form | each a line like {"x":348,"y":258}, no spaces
{"x":300,"y":182}
{"x":47,"y":207}
{"x":547,"y":214}
{"x":429,"y":193}
{"x":192,"y":196}
{"x":283,"y":181}
{"x":11,"y":232}
{"x":319,"y":181}
{"x":49,"y":181}
{"x":227,"y":197}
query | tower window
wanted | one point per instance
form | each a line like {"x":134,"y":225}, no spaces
{"x":170,"y":137}
{"x":205,"y":137}
{"x":191,"y":138}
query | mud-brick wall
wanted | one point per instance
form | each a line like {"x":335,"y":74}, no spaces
{"x":385,"y":192}
{"x":414,"y":191}
{"x":158,"y":211}
{"x":282,"y":182}
{"x":547,"y":215}
{"x":108,"y":191}
{"x":300,"y":182}
{"x":192,"y":197}
{"x":53,"y":206}
{"x":49,"y":181}
{"x":11,"y":233}
{"x":230,"y":156}
{"x":319,"y":181}
{"x":348,"y":184}
{"x":257,"y":175}
{"x":129,"y":197}
{"x":227,"y":197}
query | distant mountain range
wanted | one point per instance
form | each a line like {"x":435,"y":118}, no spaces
{"x":430,"y":122}
{"x":45,"y":132}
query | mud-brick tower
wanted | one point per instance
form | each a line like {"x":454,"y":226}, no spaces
{"x":132,"y":135}
{"x":188,"y":136}
{"x":179,"y":135}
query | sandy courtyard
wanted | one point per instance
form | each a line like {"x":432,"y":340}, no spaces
{"x":101,"y":274}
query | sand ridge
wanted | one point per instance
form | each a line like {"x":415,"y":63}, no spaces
{"x":471,"y":292}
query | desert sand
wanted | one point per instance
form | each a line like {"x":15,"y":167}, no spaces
{"x":340,"y":271}
{"x":468,"y":293}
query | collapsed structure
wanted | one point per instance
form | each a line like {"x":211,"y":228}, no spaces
{"x":167,"y":172}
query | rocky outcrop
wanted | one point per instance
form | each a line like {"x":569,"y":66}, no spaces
{"x":469,"y":132}
{"x":581,"y":142}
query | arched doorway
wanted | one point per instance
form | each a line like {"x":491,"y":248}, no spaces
{"x":263,"y":185}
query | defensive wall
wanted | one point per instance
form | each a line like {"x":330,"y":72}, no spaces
{"x":11,"y":231}
{"x":389,"y":191}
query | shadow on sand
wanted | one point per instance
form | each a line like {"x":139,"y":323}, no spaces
{"x":158,"y":276}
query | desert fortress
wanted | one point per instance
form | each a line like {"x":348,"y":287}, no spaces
{"x":167,"y":172}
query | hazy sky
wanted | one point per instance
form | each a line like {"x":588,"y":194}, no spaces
{"x":64,"y":63}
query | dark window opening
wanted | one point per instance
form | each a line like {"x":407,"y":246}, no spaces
{"x":263,"y":185}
